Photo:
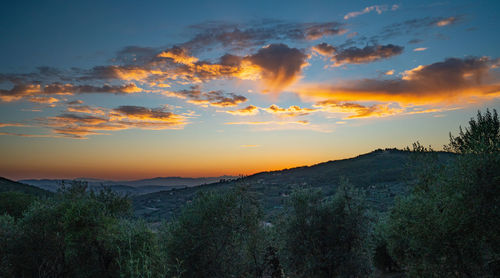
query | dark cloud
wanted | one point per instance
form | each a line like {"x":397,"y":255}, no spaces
{"x":212,"y":98}
{"x":123,"y":117}
{"x":75,"y":102}
{"x":31,"y":90}
{"x":325,"y":49}
{"x":143,"y":112}
{"x":69,"y":89}
{"x":355,"y":55}
{"x":280,"y":65}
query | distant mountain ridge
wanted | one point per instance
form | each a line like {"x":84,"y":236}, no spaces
{"x":133,"y":187}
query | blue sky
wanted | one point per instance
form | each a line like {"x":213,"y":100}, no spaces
{"x":129,"y":89}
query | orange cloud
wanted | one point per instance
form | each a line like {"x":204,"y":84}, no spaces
{"x":13,"y":125}
{"x":249,"y":110}
{"x":357,"y":110}
{"x":446,"y":21}
{"x":123,"y":117}
{"x":178,"y":55}
{"x":43,"y":100}
{"x":450,"y":81}
{"x":292,"y":111}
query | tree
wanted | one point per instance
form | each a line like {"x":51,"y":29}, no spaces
{"x":15,"y":203}
{"x":79,"y":234}
{"x":212,"y":236}
{"x":8,"y":232}
{"x":449,"y":226}
{"x":481,"y":137}
{"x":325,"y":237}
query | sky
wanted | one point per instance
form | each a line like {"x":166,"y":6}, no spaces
{"x":137,"y":89}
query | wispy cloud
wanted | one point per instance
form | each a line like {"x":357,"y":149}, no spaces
{"x":14,"y":125}
{"x":377,"y":8}
{"x":247,"y":111}
{"x":269,"y":123}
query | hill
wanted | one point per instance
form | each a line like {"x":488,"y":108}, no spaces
{"x":383,"y":174}
{"x":134,"y":187}
{"x":10,"y":185}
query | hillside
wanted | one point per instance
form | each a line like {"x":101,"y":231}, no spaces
{"x":383,"y":173}
{"x":10,"y":185}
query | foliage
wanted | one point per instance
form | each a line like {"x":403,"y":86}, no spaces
{"x":8,"y":231}
{"x":214,"y":236}
{"x":481,"y":137}
{"x":137,"y":249}
{"x":449,"y":226}
{"x":79,"y":234}
{"x":325,"y":237}
{"x":15,"y":203}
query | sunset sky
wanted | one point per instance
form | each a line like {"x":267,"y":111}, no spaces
{"x":138,"y":89}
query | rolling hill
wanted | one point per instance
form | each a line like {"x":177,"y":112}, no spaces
{"x":10,"y":185}
{"x":383,"y":174}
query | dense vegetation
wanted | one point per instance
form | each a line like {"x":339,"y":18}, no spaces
{"x":446,"y":225}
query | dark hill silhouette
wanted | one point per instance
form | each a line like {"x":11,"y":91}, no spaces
{"x":383,"y":173}
{"x":10,"y":185}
